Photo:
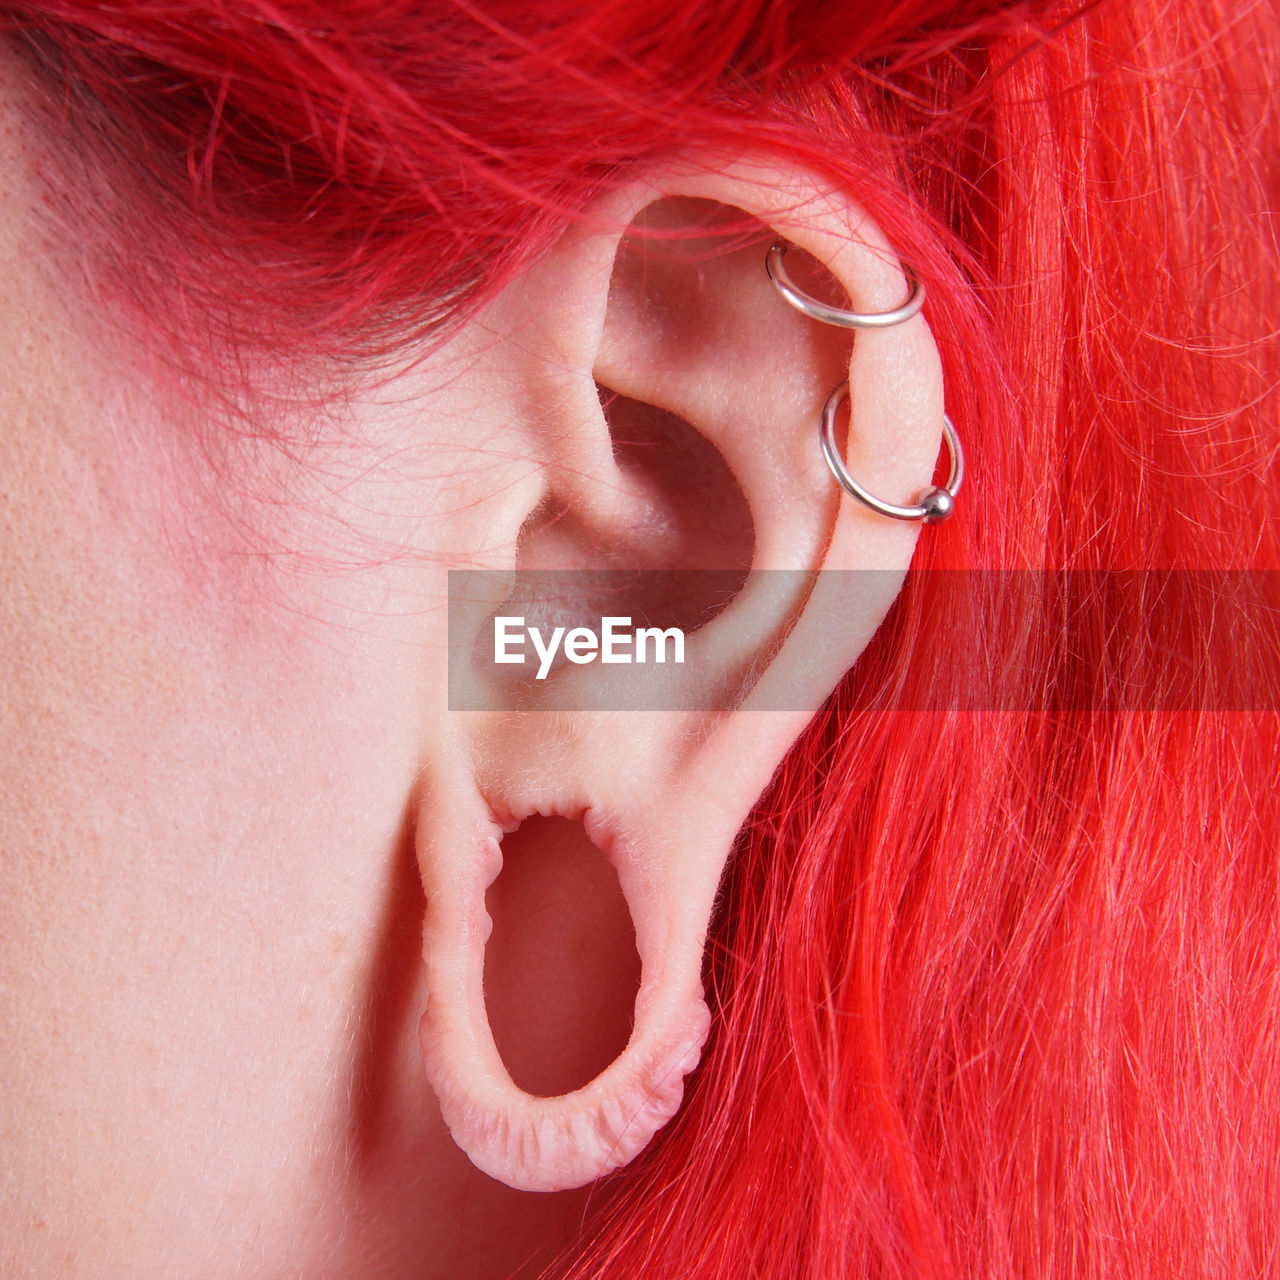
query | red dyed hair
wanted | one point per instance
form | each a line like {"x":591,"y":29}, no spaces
{"x":996,"y":989}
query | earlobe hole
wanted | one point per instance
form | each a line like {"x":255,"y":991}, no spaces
{"x":561,"y":971}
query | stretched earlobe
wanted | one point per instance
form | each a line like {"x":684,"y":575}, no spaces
{"x":546,"y":1143}
{"x":676,"y":324}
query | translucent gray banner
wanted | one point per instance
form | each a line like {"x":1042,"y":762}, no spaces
{"x":1012,"y":640}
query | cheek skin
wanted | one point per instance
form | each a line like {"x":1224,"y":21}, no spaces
{"x":211,"y":921}
{"x":167,"y":778}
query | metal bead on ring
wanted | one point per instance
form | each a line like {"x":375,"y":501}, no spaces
{"x":932,"y":505}
{"x":938,"y":505}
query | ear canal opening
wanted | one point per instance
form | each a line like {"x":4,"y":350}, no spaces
{"x":683,"y":508}
{"x":561,"y":971}
{"x":699,"y":509}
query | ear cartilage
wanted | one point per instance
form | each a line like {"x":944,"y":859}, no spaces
{"x":932,"y":505}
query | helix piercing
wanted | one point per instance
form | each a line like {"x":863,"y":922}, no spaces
{"x":775,"y":265}
{"x":932,"y":505}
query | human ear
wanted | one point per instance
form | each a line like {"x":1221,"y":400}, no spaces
{"x":701,"y":342}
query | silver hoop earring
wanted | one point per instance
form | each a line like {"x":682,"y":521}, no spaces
{"x":775,"y":265}
{"x":932,"y":505}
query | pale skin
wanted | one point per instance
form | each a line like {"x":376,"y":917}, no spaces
{"x":231,"y":780}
